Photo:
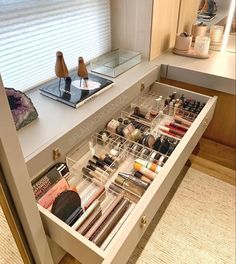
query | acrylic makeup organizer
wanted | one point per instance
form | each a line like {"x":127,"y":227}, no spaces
{"x":128,"y":151}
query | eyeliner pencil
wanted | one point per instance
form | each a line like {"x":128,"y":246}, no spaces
{"x":99,"y":192}
{"x":104,"y":216}
{"x":117,"y":227}
{"x":90,"y":221}
{"x":85,"y":215}
{"x":106,"y":228}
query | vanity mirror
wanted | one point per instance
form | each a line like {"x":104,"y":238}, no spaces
{"x":217,"y":19}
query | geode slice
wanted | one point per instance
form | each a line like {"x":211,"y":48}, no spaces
{"x":22,"y":108}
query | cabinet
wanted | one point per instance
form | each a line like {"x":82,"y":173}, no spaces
{"x":137,"y":222}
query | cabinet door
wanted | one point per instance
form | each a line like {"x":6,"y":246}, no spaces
{"x":16,"y":176}
{"x":164,"y":26}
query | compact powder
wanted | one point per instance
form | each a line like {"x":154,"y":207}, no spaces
{"x":112,"y":125}
{"x":119,"y":130}
{"x":148,"y":140}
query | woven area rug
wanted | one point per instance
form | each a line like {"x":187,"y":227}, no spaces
{"x":9,"y":253}
{"x":195,"y":224}
{"x":198,"y":226}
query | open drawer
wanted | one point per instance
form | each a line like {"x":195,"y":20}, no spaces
{"x":130,"y":232}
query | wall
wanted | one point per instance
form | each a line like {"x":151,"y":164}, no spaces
{"x":131,"y":24}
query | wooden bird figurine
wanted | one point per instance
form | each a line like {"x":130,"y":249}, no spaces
{"x":82,"y":71}
{"x":60,"y":67}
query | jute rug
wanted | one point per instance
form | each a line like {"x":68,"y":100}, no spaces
{"x":198,"y":226}
{"x":195,"y":224}
{"x":9,"y":253}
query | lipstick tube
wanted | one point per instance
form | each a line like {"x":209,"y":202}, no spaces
{"x":130,"y":196}
{"x":99,"y":174}
{"x":139,"y":175}
{"x":146,"y":172}
{"x":109,"y":161}
{"x":92,"y":175}
{"x":99,"y":168}
{"x":176,"y":130}
{"x":150,"y":165}
{"x":135,"y":180}
{"x":102,"y":164}
{"x":129,"y":186}
{"x":182,"y":121}
{"x":172,"y":131}
{"x":178,"y":126}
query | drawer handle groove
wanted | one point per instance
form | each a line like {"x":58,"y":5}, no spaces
{"x":205,"y":122}
{"x":143,"y":221}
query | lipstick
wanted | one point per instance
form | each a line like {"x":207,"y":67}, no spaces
{"x":100,"y":169}
{"x":102,"y":164}
{"x":135,"y":180}
{"x":182,"y":121}
{"x":178,"y":126}
{"x":99,"y":174}
{"x":172,"y":131}
{"x":151,"y":166}
{"x":146,"y":172}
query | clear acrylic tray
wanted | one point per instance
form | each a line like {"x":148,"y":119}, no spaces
{"x":115,"y":63}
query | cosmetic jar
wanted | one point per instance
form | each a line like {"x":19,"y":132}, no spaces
{"x":199,"y":30}
{"x":201,"y":46}
{"x":103,"y":136}
{"x":183,"y":42}
{"x":216,"y":33}
{"x":128,"y":130}
{"x":112,"y":125}
{"x":136,"y":135}
{"x":157,"y":143}
{"x":148,"y":140}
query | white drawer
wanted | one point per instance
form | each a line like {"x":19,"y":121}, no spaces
{"x":132,"y":230}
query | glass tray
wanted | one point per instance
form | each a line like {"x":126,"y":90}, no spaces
{"x":115,"y":63}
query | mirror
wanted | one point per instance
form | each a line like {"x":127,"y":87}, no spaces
{"x":216,"y":19}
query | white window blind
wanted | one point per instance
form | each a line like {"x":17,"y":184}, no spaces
{"x":31,"y":31}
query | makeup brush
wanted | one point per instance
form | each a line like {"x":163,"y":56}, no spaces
{"x":82,"y":71}
{"x":60,"y":67}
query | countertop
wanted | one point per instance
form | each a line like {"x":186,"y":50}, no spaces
{"x":56,"y":119}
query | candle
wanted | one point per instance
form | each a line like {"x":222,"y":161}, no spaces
{"x":216,"y":33}
{"x":201,"y":46}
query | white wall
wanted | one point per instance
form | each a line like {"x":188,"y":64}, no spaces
{"x":131,"y":25}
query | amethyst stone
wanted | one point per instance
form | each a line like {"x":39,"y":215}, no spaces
{"x":22,"y":108}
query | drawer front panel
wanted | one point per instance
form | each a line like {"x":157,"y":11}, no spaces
{"x":70,"y":240}
{"x":130,"y":233}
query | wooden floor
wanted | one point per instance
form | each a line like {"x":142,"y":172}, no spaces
{"x":214,"y":159}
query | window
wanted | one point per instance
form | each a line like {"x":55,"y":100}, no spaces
{"x":31,"y":31}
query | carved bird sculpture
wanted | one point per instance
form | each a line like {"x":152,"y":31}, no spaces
{"x":60,"y":67}
{"x":82,"y":71}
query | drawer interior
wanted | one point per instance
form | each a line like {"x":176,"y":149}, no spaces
{"x":137,"y":156}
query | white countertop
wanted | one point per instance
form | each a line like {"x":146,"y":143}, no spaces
{"x":56,"y":119}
